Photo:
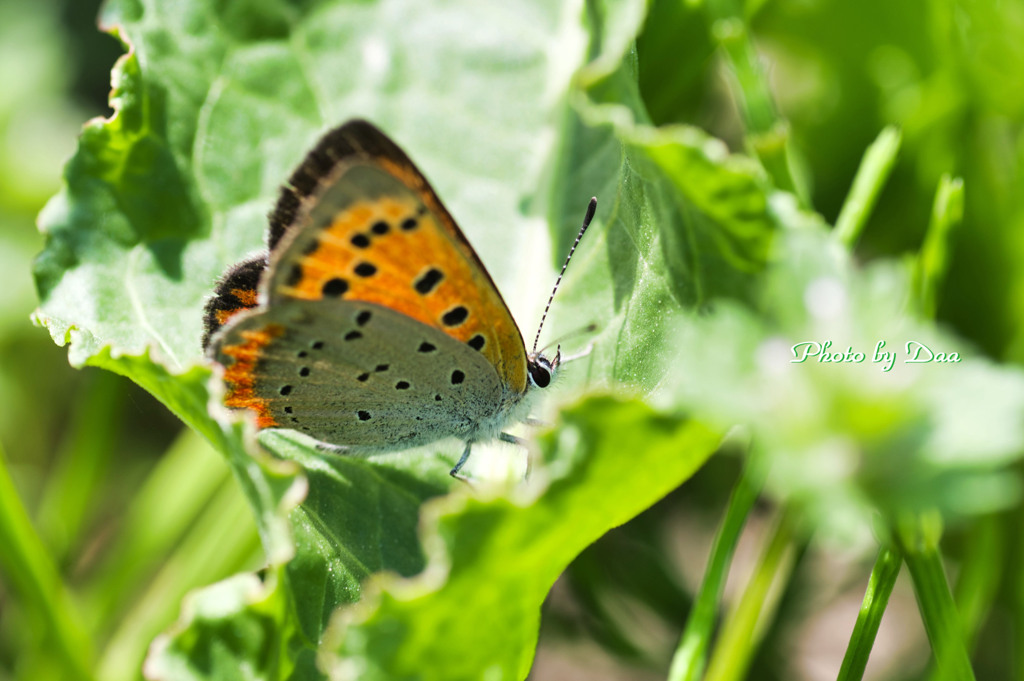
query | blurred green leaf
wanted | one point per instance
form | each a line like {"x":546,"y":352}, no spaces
{"x":942,"y":73}
{"x":221,"y":541}
{"x":845,"y":439}
{"x":675,"y":51}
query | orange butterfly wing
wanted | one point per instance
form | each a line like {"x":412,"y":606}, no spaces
{"x":358,"y":221}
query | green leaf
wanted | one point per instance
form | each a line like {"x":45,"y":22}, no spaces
{"x":685,"y":221}
{"x":236,"y":629}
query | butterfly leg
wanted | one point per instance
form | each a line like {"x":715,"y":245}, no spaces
{"x":454,"y":472}
{"x":579,"y":355}
{"x":512,"y":439}
{"x":525,"y":444}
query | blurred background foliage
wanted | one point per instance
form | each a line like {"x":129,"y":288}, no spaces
{"x":948,"y":74}
{"x":84,"y":447}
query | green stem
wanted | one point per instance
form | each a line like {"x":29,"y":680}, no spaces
{"x":919,"y":538}
{"x":980,"y":575}
{"x":1015,"y":588}
{"x":28,"y":568}
{"x":691,"y":654}
{"x":931,"y":265}
{"x":756,"y":103}
{"x":745,"y":625}
{"x":874,"y":170}
{"x":876,"y":598}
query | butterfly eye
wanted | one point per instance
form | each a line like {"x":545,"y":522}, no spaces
{"x":540,"y":372}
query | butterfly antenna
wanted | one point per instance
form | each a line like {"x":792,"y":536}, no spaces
{"x":591,"y":208}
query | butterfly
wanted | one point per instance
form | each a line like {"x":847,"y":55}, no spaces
{"x":370,"y":324}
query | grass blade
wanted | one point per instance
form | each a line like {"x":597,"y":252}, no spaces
{"x":691,"y":655}
{"x":745,"y":625}
{"x":871,"y":176}
{"x":919,"y":538}
{"x":876,"y":598}
{"x":29,"y":569}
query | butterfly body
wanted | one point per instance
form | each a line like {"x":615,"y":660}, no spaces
{"x":370,"y":324}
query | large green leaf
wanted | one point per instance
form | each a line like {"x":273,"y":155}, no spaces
{"x":474,"y":612}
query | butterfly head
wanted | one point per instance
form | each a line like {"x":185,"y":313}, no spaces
{"x":541,"y":370}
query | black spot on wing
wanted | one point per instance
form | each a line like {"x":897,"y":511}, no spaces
{"x":333,"y":288}
{"x":455,"y":316}
{"x":294,"y":275}
{"x":365,"y":269}
{"x":428,"y":281}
